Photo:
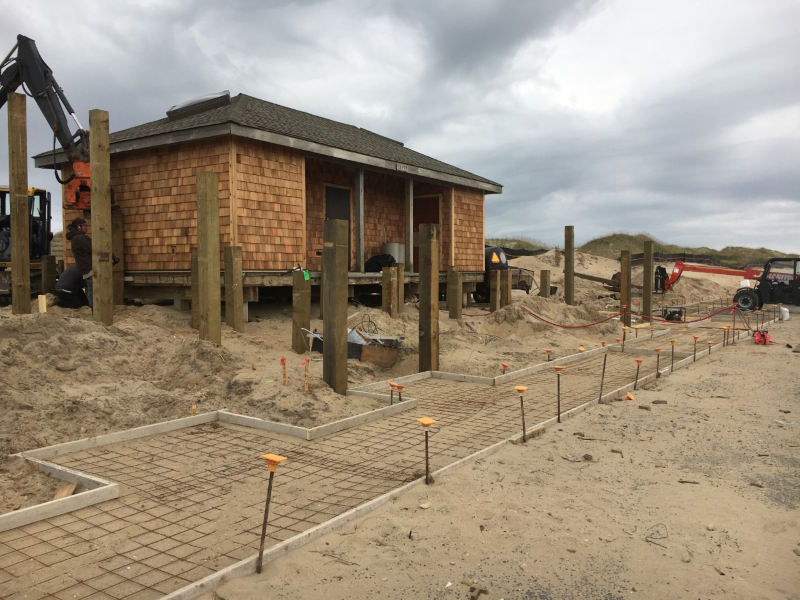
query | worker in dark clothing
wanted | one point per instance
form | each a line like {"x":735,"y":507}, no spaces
{"x":69,"y":289}
{"x":78,"y":236}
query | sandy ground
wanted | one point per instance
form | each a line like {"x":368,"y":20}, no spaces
{"x":65,"y":377}
{"x":527,"y":523}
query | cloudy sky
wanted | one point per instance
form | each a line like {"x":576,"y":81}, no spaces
{"x":679,"y":118}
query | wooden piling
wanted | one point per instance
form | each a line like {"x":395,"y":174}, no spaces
{"x":389,"y":291}
{"x":429,"y":297}
{"x":494,"y":290}
{"x":569,"y":265}
{"x":234,"y":293}
{"x":18,"y":192}
{"x":335,"y":258}
{"x":505,"y":288}
{"x":454,"y":287}
{"x":100,"y":168}
{"x":544,"y":283}
{"x":195,"y":290}
{"x":49,"y":275}
{"x":401,"y":288}
{"x":647,"y":281}
{"x":625,"y":286}
{"x":209,"y":297}
{"x":301,"y":311}
{"x":118,"y":248}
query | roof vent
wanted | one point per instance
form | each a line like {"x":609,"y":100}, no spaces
{"x":199,"y":105}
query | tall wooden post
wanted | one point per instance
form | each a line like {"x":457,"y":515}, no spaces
{"x":49,"y":275}
{"x":234,"y":293}
{"x":389,"y":291}
{"x":359,"y":220}
{"x":335,"y":259}
{"x":118,"y":248}
{"x":100,"y":167}
{"x":625,"y":286}
{"x":209,"y":298}
{"x":647,"y":281}
{"x":409,"y":225}
{"x":195,"y":279}
{"x":494,"y":290}
{"x":301,"y":311}
{"x":401,"y":288}
{"x":544,"y":283}
{"x":569,"y":265}
{"x":18,"y":191}
{"x":454,"y":288}
{"x":428,"y":297}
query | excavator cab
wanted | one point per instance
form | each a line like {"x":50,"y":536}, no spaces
{"x":39,"y":217}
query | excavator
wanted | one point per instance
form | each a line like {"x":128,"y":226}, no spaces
{"x":27,"y":70}
{"x":24,"y":68}
{"x":777,"y":282}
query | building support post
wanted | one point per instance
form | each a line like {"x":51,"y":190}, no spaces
{"x":569,"y":265}
{"x":210,"y":322}
{"x":234,"y":294}
{"x":359,"y":219}
{"x":335,"y":258}
{"x":389,"y":291}
{"x":100,"y":168}
{"x":18,"y":192}
{"x":647,"y":281}
{"x":494,"y":290}
{"x":409,"y":222}
{"x":429,"y":297}
{"x":49,"y":275}
{"x":454,"y":287}
{"x":625,"y":286}
{"x":544,"y":283}
{"x":301,"y":311}
{"x":401,"y":288}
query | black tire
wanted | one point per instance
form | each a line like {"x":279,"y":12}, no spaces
{"x":746,"y":300}
{"x":523,"y":285}
{"x":481,"y":294}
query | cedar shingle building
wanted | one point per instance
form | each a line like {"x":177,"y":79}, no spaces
{"x":282,"y":172}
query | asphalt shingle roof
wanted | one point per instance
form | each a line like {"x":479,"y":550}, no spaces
{"x":266,"y":116}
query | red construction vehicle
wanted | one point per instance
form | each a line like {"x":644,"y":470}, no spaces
{"x":680,"y":267}
{"x":27,"y":69}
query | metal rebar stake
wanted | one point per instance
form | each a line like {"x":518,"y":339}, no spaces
{"x":603,"y":377}
{"x":658,"y":364}
{"x":558,"y":376}
{"x":522,"y":410}
{"x":427,"y":464}
{"x":264,"y":525}
{"x":636,"y":381}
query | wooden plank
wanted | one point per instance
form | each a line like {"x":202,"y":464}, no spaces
{"x":65,"y":491}
{"x":234,"y":293}
{"x":359,"y":220}
{"x":505,"y":288}
{"x":409,"y":225}
{"x":647,"y":280}
{"x":209,"y":296}
{"x":301,"y":311}
{"x":18,"y":193}
{"x":100,"y":168}
{"x":625,"y":286}
{"x":569,"y":265}
{"x":454,"y":287}
{"x":118,"y":248}
{"x":401,"y":288}
{"x":544,"y":283}
{"x":429,"y":297}
{"x":335,"y":258}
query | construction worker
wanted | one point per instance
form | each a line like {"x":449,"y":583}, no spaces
{"x":69,"y":289}
{"x":78,"y":235}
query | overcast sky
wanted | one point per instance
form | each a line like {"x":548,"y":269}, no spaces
{"x":679,"y":118}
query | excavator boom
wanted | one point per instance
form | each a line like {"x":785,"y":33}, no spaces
{"x":680,"y":267}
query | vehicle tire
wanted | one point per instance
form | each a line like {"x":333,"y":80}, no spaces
{"x":746,"y":300}
{"x":481,"y":294}
{"x":523,"y":285}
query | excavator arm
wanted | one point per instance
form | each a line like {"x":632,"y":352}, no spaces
{"x":28,"y":70}
{"x":680,"y":267}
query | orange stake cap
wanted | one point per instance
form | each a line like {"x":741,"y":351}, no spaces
{"x":658,"y":349}
{"x":399,"y":387}
{"x":696,"y":337}
{"x":392,"y":384}
{"x":558,"y":369}
{"x":273,"y":460}
{"x":710,"y":343}
{"x":549,"y":351}
{"x":504,"y":365}
{"x":521,"y":388}
{"x":283,"y":360}
{"x":604,"y":344}
{"x":618,"y":340}
{"x":624,"y":329}
{"x":581,"y":349}
{"x":630,"y":396}
{"x":672,"y":342}
{"x":639,"y":361}
{"x":426,"y":421}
